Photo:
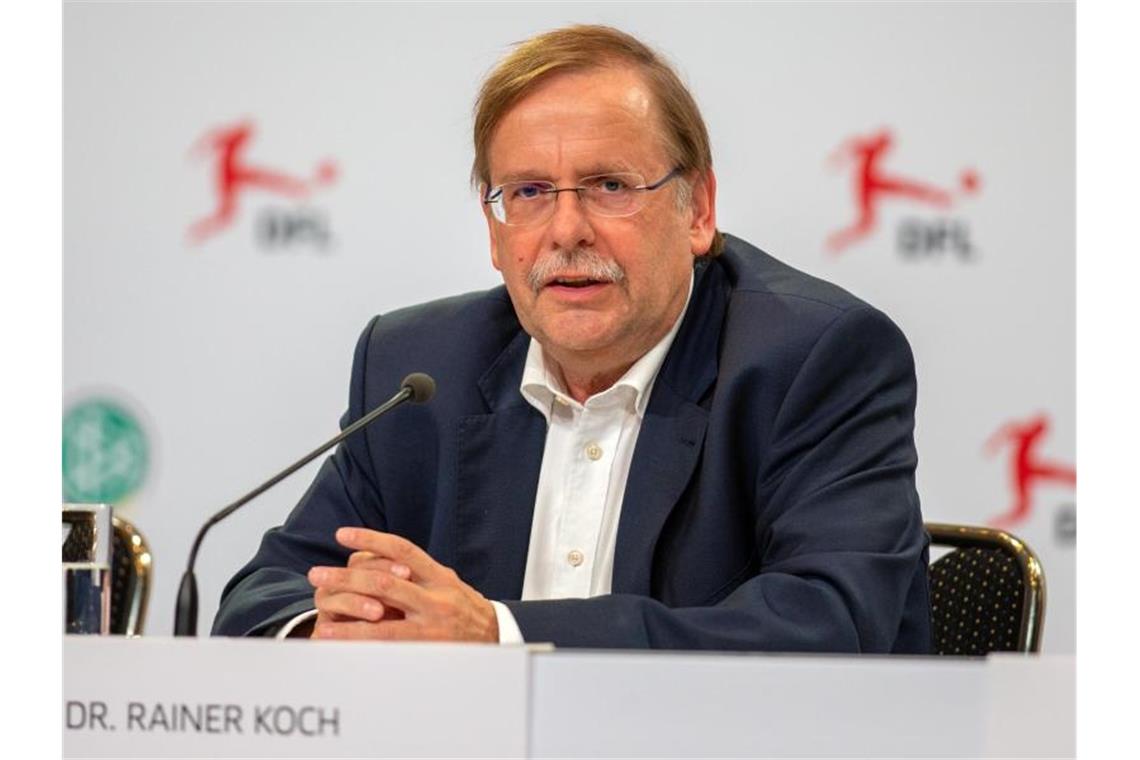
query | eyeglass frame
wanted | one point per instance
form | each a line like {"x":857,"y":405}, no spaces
{"x":579,"y":189}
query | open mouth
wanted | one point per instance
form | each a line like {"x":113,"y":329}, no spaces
{"x":575,"y":282}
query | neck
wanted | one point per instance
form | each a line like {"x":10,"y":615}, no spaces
{"x":588,"y":380}
{"x":585,"y":373}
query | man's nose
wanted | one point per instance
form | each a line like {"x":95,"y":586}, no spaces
{"x":570,"y":226}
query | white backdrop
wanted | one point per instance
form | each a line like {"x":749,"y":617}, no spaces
{"x":232,"y":352}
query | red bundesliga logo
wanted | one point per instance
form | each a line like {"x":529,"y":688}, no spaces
{"x":873,"y":185}
{"x":234,"y":176}
{"x":1027,"y":469}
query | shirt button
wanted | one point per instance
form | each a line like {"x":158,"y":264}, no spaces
{"x":594,"y":451}
{"x":575,"y":557}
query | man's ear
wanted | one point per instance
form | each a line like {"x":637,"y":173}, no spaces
{"x":702,"y":227}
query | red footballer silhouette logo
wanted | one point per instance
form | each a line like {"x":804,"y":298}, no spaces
{"x":1027,"y":468}
{"x":234,"y":176}
{"x":872,"y":185}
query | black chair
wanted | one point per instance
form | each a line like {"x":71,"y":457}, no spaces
{"x":987,"y":595}
{"x":131,"y":566}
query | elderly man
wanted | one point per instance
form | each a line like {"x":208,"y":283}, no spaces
{"x":653,"y":436}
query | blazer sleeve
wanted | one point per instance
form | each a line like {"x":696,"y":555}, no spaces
{"x":841,"y":546}
{"x":272,"y":588}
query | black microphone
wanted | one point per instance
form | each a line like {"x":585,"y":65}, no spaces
{"x":416,"y":387}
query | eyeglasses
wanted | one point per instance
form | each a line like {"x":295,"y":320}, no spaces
{"x":517,"y":204}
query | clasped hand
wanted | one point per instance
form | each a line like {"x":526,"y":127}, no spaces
{"x":391,"y":589}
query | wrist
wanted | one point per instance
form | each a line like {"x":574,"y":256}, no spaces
{"x":492,"y":626}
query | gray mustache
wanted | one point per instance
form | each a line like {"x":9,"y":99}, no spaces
{"x":578,"y":261}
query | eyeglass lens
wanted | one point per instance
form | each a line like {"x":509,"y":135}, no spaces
{"x":528,"y":202}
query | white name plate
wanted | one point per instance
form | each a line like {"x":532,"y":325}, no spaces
{"x":699,"y":705}
{"x":168,"y":697}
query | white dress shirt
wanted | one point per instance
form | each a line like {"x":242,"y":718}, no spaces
{"x":585,"y":465}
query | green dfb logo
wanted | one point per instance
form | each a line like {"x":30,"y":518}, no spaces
{"x":104,"y":453}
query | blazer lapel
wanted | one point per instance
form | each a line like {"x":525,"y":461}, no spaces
{"x":667,"y":451}
{"x":498,"y":457}
{"x":672,"y":433}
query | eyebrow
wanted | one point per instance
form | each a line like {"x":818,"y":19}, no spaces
{"x":591,"y":170}
{"x":522,"y":176}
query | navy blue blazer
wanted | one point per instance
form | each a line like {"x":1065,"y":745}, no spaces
{"x":771,"y":500}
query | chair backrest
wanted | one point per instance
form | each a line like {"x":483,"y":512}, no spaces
{"x":987,"y":595}
{"x":131,"y":564}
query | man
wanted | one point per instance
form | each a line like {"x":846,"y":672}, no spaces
{"x":653,"y":436}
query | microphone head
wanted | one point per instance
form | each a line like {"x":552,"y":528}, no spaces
{"x":421,"y":386}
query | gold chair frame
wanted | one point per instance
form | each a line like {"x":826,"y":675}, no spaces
{"x":1032,"y":574}
{"x":142,"y":562}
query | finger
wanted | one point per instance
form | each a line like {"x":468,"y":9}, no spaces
{"x":393,"y":547}
{"x":390,"y":613}
{"x":359,"y":558}
{"x":328,"y":616}
{"x":323,"y":615}
{"x":358,"y":579}
{"x":374,"y":583}
{"x":368,"y":560}
{"x":349,"y":605}
{"x":388,"y":630}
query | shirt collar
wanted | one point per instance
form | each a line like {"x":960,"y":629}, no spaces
{"x":541,"y":384}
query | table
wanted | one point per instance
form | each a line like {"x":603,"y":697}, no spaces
{"x":167,"y":697}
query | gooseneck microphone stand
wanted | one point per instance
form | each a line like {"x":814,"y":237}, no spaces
{"x":416,"y":387}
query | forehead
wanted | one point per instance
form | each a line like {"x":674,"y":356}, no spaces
{"x":577,"y":122}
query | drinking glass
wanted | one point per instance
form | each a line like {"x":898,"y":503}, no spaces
{"x":86,"y":568}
